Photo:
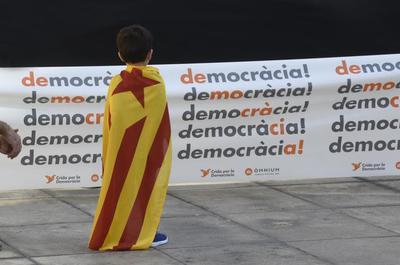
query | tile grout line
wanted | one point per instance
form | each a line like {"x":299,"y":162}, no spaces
{"x":307,"y":183}
{"x":93,"y":253}
{"x":293,"y":195}
{"x":288,"y":241}
{"x":378,"y":180}
{"x":54,"y":223}
{"x":171,"y":257}
{"x":334,"y":209}
{"x":251,"y":229}
{"x":341,"y":238}
{"x":68,"y":254}
{"x":68,"y":203}
{"x":20,"y":252}
{"x":376,"y":183}
{"x":367,"y":206}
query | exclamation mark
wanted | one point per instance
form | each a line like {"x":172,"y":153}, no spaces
{"x":305,"y":68}
{"x":303,"y":126}
{"x":305,"y":106}
{"x":309,"y":89}
{"x":300,"y":150}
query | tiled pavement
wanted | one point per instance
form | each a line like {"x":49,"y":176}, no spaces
{"x":346,"y":221}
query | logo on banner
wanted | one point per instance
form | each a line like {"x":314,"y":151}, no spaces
{"x":356,"y":166}
{"x":217,"y":173}
{"x":63,"y":179}
{"x":205,"y":172}
{"x":50,"y":179}
{"x":398,"y":165}
{"x":248,"y":171}
{"x":360,"y":166}
{"x":95,"y":178}
{"x":270,"y":171}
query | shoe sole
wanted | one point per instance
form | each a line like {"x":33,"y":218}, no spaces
{"x":159,"y":243}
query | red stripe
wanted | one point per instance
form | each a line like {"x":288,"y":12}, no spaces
{"x":109,"y":127}
{"x":122,"y":164}
{"x":154,"y":162}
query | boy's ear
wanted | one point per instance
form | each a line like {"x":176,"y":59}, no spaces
{"x":149,"y":55}
{"x":120,"y":57}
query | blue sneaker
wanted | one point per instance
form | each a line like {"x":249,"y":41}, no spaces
{"x":159,"y":239}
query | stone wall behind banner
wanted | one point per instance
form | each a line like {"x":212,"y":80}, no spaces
{"x":242,"y":121}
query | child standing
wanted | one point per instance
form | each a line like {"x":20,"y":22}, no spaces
{"x":136,"y":151}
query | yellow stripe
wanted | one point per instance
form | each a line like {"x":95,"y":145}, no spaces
{"x":156,"y":204}
{"x":106,"y":180}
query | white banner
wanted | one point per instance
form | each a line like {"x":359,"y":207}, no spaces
{"x":244,"y":121}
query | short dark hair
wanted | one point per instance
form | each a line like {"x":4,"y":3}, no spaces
{"x":133,"y":43}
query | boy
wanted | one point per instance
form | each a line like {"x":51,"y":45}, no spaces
{"x":136,"y":151}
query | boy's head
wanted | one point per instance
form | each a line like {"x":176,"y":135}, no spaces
{"x":135,"y":44}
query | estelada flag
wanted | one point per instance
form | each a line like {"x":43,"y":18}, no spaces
{"x":136,"y":161}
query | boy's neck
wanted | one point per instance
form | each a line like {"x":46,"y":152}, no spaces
{"x":137,"y":64}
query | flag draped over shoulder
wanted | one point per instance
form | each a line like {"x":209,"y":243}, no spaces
{"x":136,"y":161}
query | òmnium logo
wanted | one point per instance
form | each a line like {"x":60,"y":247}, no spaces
{"x":63,"y":179}
{"x":248,"y":171}
{"x":360,"y":166}
{"x":269,"y":171}
{"x":217,"y":173}
{"x":95,"y":178}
